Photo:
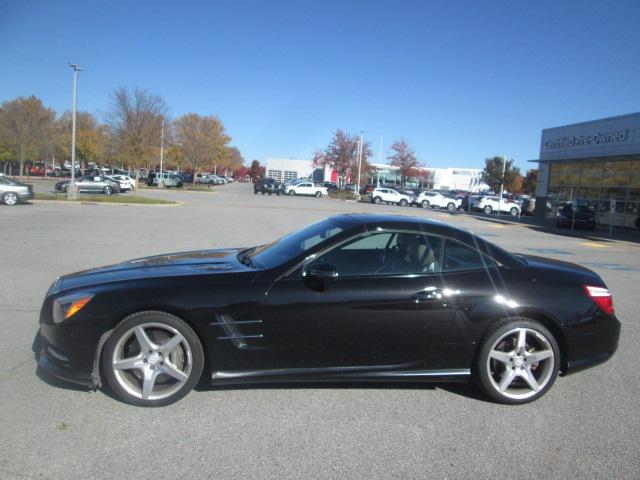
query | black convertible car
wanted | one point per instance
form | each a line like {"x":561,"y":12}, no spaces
{"x":352,"y":297}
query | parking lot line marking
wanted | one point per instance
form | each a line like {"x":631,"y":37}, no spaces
{"x":594,"y":245}
{"x":498,"y":226}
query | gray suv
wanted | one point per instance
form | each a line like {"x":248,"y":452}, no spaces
{"x":13,"y":192}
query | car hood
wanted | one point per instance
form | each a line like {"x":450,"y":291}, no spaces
{"x":200,"y":262}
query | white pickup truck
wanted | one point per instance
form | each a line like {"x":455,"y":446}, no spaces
{"x":305,"y":188}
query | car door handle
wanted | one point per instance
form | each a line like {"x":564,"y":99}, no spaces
{"x":426,"y":296}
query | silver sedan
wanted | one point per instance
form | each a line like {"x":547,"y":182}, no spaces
{"x":13,"y":192}
{"x":91,"y":184}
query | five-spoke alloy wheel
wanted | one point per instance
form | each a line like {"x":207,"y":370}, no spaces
{"x":152,"y":359}
{"x":518,"y":362}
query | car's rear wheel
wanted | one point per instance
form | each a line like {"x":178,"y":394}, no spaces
{"x":318,"y":194}
{"x":488,"y":209}
{"x":107,"y":190}
{"x":425,"y":204}
{"x":292,"y":192}
{"x":518,"y":361}
{"x":513,"y":212}
{"x":152,"y":359}
{"x":10,"y":199}
{"x":451,"y":206}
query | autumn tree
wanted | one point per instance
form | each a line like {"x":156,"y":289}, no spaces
{"x":529,"y":182}
{"x":341,"y":155}
{"x":232,"y":160}
{"x":492,"y":174}
{"x":256,"y":170}
{"x":404,"y":159}
{"x":26,"y":129}
{"x":202,"y":139}
{"x":135,"y":120}
{"x":91,"y":137}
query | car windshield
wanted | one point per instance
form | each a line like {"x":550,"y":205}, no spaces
{"x":291,"y":245}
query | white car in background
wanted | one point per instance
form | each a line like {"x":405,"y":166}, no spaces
{"x":305,"y":188}
{"x":489,"y":204}
{"x":435,"y":199}
{"x":389,"y":195}
{"x":126,"y":182}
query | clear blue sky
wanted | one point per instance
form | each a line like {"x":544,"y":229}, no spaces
{"x":459,"y":80}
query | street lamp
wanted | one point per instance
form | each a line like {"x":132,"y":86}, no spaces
{"x":360,"y":146}
{"x":72,"y":189}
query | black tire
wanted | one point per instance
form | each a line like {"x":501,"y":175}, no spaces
{"x":278,"y":194}
{"x":513,"y":212}
{"x":451,"y":206}
{"x":291,"y":193}
{"x":485,"y":368}
{"x":318,"y":195}
{"x":107,"y":190}
{"x":402,"y":203}
{"x":255,"y":192}
{"x":377,"y":200}
{"x":425,"y":204}
{"x":488,"y":209}
{"x":153,"y":317}
{"x":269,"y":193}
{"x":10,"y":199}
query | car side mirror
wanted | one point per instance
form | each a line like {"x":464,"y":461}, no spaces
{"x":324,"y":272}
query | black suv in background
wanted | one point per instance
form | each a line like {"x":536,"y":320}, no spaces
{"x":583,"y":216}
{"x":267,"y":185}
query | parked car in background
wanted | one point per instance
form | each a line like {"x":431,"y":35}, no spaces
{"x":267,"y":185}
{"x":331,"y":186}
{"x":489,"y":204}
{"x":306,"y":188}
{"x":91,"y":184}
{"x":186,"y":177}
{"x":169,"y":179}
{"x":580,"y":216}
{"x":389,"y":195}
{"x":367,"y":189}
{"x":127,"y":183}
{"x":209,"y":179}
{"x":435,"y":199}
{"x":13,"y":192}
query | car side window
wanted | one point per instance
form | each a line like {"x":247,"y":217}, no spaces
{"x":385,"y":253}
{"x":459,"y":257}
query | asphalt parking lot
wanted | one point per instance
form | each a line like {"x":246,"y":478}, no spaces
{"x":585,"y":427}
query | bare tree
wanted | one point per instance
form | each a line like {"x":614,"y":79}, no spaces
{"x":26,"y":128}
{"x":404,"y":159}
{"x":135,"y":120}
{"x":202,"y":139}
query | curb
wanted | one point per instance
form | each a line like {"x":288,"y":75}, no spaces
{"x":178,"y":203}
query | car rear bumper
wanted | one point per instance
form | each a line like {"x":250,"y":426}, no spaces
{"x":24,"y":196}
{"x":591,"y":342}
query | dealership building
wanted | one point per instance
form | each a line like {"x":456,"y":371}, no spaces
{"x":468,"y":179}
{"x":594,"y":163}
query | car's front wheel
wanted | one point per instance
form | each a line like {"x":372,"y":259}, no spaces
{"x":291,"y":192}
{"x":107,"y":190}
{"x":425,"y":204}
{"x":513,"y":212}
{"x":451,"y":206}
{"x":152,"y":359}
{"x":318,"y":194}
{"x":10,"y":199}
{"x":518,"y":361}
{"x":402,"y":202}
{"x":488,"y":209}
{"x":377,"y":200}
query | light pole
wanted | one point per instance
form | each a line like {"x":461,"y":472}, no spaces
{"x":161,"y":181}
{"x":360,"y":146}
{"x":379,"y":160}
{"x":504,"y":167}
{"x":72,"y":189}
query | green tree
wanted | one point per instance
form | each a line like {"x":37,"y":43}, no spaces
{"x":26,"y":129}
{"x":404,"y":159}
{"x":492,"y":174}
{"x":202,"y":139}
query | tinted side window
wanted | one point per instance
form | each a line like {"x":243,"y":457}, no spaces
{"x":458,"y":257}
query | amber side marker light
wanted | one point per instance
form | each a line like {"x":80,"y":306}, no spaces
{"x":66,"y":307}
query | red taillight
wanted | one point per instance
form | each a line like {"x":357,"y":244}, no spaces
{"x":601,"y":297}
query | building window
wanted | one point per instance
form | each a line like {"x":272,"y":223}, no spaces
{"x":277,"y":174}
{"x":290,"y":175}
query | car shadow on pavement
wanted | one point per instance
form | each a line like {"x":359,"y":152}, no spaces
{"x":467,"y":390}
